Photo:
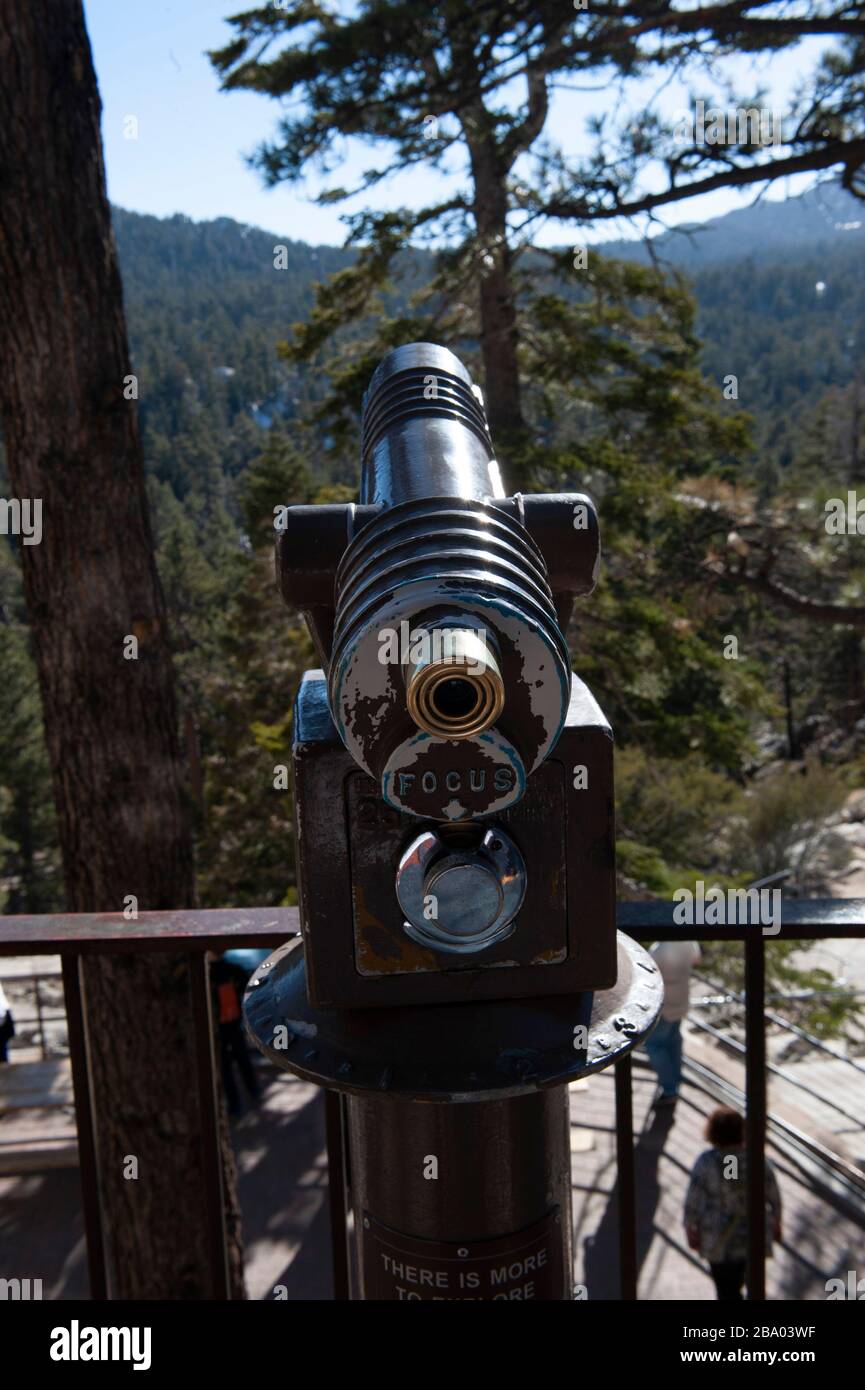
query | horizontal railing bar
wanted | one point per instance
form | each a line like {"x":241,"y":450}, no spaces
{"x":184,"y":929}
{"x":801,"y":919}
{"x":221,"y":928}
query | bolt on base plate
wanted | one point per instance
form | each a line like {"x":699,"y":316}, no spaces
{"x":451,"y":1052}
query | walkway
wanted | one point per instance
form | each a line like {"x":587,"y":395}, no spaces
{"x":283,"y":1188}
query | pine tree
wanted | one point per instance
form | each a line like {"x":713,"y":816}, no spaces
{"x":421,"y":93}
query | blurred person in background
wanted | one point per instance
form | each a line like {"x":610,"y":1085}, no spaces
{"x":675,"y":960}
{"x":228,"y":980}
{"x":7,"y":1026}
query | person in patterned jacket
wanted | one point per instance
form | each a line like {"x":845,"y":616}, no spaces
{"x":716,"y":1204}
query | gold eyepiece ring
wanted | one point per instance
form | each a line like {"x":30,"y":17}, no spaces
{"x":459,"y":693}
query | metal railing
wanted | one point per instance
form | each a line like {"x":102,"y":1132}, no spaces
{"x":801,"y":920}
{"x":186,"y":932}
{"x":197,"y":932}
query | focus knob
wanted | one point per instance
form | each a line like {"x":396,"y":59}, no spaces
{"x":464,"y":901}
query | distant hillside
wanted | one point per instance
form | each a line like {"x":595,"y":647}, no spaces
{"x":206,"y":306}
{"x":173,"y":256}
{"x":819,"y":221}
{"x":780,"y":289}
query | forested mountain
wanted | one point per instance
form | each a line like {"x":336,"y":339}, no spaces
{"x":779,"y":287}
{"x":228,"y":431}
{"x":206,"y":307}
{"x":766,"y":231}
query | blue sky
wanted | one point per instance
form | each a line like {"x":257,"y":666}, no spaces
{"x":191,"y":138}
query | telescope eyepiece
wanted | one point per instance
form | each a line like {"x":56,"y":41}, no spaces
{"x":457,"y":692}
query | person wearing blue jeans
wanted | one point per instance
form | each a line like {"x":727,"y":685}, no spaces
{"x":675,"y":960}
{"x":665,"y":1054}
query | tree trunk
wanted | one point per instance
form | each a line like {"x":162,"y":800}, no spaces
{"x":497,"y":300}
{"x":72,"y":442}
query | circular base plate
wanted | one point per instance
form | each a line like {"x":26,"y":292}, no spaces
{"x":450,"y":1052}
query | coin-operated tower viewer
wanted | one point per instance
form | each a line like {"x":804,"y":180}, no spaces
{"x":453,"y":787}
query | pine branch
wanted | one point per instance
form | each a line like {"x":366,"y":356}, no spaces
{"x":817,"y":610}
{"x":731,"y":19}
{"x":849,"y":153}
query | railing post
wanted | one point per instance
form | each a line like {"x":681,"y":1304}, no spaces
{"x":335,"y":1127}
{"x":88,"y":1166}
{"x":625,"y":1183}
{"x":208,"y":1103}
{"x":755,"y":1113}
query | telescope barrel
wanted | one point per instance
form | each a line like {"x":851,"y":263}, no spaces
{"x":424,"y":431}
{"x":448,"y":672}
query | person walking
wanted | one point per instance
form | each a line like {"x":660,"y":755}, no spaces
{"x":227,"y":982}
{"x":675,"y":960}
{"x":7,"y":1026}
{"x":716,"y":1204}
